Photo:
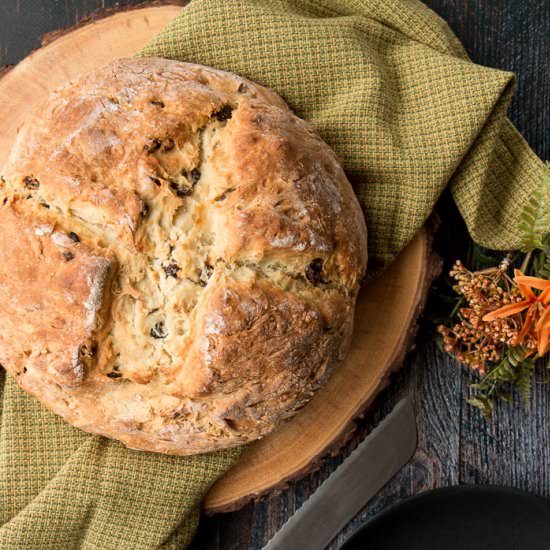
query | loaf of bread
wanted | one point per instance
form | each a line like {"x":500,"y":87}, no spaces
{"x":180,"y":257}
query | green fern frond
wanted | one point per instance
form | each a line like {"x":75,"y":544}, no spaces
{"x":545,"y":270}
{"x":513,"y":375}
{"x":541,"y":260}
{"x":484,"y":403}
{"x":535,"y":218}
{"x":524,"y":382}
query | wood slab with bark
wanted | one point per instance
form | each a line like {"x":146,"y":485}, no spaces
{"x":387,"y":309}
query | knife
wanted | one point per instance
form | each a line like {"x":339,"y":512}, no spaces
{"x":348,"y":489}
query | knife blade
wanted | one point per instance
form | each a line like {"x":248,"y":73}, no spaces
{"x":348,"y":489}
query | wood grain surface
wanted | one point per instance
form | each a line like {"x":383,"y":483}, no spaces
{"x":455,"y":444}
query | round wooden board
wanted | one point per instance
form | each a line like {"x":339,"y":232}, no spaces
{"x":387,"y":309}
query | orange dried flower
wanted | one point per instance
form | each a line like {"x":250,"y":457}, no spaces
{"x":537,"y":318}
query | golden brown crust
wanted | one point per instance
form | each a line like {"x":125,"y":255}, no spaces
{"x":186,"y":259}
{"x":52,"y":292}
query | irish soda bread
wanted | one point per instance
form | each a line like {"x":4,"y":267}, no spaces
{"x":179,"y":257}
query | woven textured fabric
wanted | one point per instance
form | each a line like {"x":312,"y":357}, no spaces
{"x":390,"y":88}
{"x":61,"y":488}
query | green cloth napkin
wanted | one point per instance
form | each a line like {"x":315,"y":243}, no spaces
{"x":389,"y":86}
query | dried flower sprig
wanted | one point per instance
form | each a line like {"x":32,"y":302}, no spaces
{"x":471,"y":340}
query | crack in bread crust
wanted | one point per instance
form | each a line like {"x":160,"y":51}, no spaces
{"x":239,"y":247}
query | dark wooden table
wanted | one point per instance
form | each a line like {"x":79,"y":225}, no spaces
{"x":455,"y":444}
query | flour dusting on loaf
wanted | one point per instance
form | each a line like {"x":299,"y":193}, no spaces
{"x":180,"y":257}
